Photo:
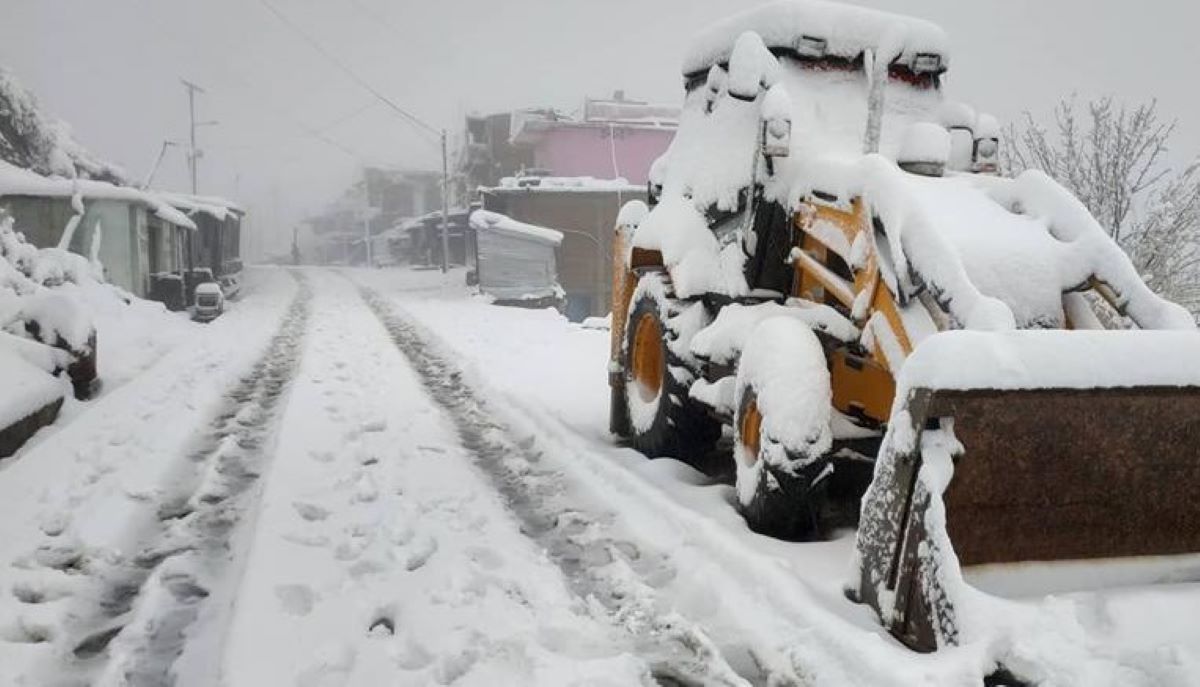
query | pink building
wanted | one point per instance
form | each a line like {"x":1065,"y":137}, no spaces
{"x":615,"y":138}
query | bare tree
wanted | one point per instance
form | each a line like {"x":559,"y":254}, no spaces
{"x":1112,"y":157}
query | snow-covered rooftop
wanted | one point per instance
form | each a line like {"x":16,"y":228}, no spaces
{"x":212,"y":206}
{"x":15,"y":181}
{"x":484,"y":220}
{"x":800,"y":25}
{"x":540,"y":183}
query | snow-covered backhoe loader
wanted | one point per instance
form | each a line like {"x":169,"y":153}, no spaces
{"x":831,"y":267}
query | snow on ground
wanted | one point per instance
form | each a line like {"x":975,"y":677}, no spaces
{"x":776,"y":609}
{"x":382,"y":556}
{"x":78,"y":500}
{"x":375,"y":478}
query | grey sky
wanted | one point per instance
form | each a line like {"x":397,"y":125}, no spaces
{"x":111,"y":69}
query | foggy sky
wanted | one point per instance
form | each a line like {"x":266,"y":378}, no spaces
{"x":111,"y":69}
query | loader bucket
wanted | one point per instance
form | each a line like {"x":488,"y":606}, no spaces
{"x":1048,"y":472}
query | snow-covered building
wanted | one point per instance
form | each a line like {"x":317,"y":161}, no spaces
{"x":214,"y":251}
{"x":614,"y":138}
{"x":382,"y":204}
{"x":137,"y":236}
{"x":611,"y":138}
{"x":424,"y":238}
{"x":585,"y":210}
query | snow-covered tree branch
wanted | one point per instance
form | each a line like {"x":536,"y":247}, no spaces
{"x":1113,"y":158}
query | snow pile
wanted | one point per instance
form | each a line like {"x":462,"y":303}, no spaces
{"x":846,"y":31}
{"x":1053,"y":360}
{"x":486,"y":221}
{"x":926,"y":142}
{"x":27,"y":389}
{"x":722,"y":341}
{"x":548,"y":183}
{"x":698,"y":263}
{"x":784,"y":366}
{"x":31,"y":302}
{"x":1027,"y":242}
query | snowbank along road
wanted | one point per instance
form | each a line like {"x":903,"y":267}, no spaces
{"x":363,"y":478}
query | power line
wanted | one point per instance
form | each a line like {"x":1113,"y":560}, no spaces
{"x":316,"y":45}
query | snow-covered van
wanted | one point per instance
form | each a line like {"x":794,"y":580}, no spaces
{"x":210,"y":302}
{"x":832,"y":268}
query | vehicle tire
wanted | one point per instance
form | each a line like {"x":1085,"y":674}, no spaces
{"x":782,"y":436}
{"x":663,"y":419}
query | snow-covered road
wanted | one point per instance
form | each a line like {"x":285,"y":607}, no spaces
{"x":370,"y":477}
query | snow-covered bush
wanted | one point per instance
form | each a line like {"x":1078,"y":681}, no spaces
{"x":34,"y":140}
{"x":35,"y":307}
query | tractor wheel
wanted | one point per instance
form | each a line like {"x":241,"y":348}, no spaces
{"x":663,"y":419}
{"x":782,"y":474}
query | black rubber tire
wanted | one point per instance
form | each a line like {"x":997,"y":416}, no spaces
{"x":786,"y":504}
{"x":681,"y":427}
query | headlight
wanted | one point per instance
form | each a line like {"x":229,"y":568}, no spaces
{"x":811,"y":46}
{"x":776,"y":137}
{"x":927,"y":63}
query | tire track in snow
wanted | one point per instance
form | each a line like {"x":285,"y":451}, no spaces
{"x":135,"y":625}
{"x":616,"y":574}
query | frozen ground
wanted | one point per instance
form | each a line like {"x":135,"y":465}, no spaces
{"x":363,"y":478}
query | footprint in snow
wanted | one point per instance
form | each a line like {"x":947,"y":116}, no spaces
{"x":413,"y":656}
{"x":331,"y":666}
{"x":306,"y":539}
{"x":321,"y":456}
{"x":37,"y":592}
{"x":421,"y":554}
{"x":295,"y":599}
{"x":310,"y":511}
{"x":365,"y":489}
{"x":377,"y":425}
{"x":54,"y":523}
{"x":383,"y":622}
{"x":486,"y":558}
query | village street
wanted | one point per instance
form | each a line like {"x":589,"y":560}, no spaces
{"x":383,"y":480}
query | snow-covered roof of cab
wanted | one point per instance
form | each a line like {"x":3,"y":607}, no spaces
{"x":805,"y":27}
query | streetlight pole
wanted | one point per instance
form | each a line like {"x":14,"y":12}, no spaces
{"x":157,"y":161}
{"x":445,"y":207}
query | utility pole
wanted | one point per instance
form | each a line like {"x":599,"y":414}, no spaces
{"x":367,"y":215}
{"x":445,"y":208}
{"x":192,"y":155}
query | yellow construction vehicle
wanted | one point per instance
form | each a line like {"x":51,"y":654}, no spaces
{"x":831,"y":268}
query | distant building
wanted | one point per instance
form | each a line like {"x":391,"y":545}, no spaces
{"x":569,"y":173}
{"x":373,"y":212}
{"x":613,"y":138}
{"x":59,"y":194}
